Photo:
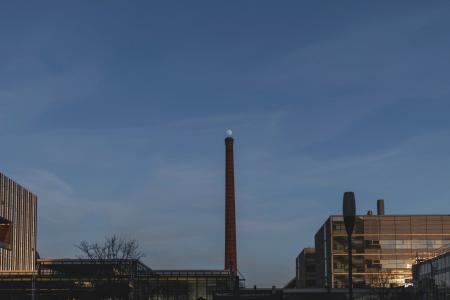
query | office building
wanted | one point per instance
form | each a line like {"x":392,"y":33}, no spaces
{"x":305,"y":266}
{"x":384,"y":248}
{"x":17,"y":227}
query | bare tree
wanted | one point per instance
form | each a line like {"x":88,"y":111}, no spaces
{"x":113,"y":247}
{"x":115,"y":270}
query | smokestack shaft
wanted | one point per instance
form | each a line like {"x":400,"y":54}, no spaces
{"x":380,"y":207}
{"x":230,"y":215}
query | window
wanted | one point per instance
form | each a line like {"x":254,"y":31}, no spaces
{"x":339,"y":228}
{"x":5,"y":233}
{"x":310,"y":283}
{"x":310,"y":269}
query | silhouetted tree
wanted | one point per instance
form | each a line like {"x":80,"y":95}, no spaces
{"x":114,"y":275}
{"x":113,"y":247}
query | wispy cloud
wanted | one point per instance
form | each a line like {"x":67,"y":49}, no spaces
{"x":134,"y":146}
{"x":25,"y":101}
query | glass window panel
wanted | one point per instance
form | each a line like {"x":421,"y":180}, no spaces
{"x":402,"y":225}
{"x":358,"y":244}
{"x":434,"y":228}
{"x":387,"y":244}
{"x":359,"y":226}
{"x":339,"y":228}
{"x":340,"y":244}
{"x":371,"y":244}
{"x":419,"y":244}
{"x":371,"y":225}
{"x":434,"y":219}
{"x":447,"y":279}
{"x":338,"y":218}
{"x":403,"y":244}
{"x":446,"y":228}
{"x":418,"y":224}
{"x":387,"y":225}
{"x":340,"y":281}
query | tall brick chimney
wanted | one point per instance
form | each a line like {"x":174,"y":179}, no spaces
{"x":230,"y":215}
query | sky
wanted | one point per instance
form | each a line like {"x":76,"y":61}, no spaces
{"x":114,"y":114}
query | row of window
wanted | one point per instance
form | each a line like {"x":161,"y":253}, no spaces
{"x":360,"y":264}
{"x":435,"y":266}
{"x":390,"y":226}
{"x":380,"y":280}
{"x":359,"y":245}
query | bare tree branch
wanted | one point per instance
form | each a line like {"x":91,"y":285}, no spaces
{"x":113,"y":247}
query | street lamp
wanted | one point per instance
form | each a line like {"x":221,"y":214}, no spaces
{"x":349,"y":220}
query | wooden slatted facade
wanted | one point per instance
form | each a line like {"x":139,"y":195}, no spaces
{"x":18,"y":212}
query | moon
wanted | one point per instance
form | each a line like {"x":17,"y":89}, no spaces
{"x":229,"y":132}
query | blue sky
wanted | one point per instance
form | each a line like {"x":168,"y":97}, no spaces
{"x":114,"y":114}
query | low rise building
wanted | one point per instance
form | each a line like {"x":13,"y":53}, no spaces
{"x":431,"y":277}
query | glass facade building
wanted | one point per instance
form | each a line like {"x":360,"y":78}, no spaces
{"x":384,"y":248}
{"x":190,"y":284}
{"x":89,"y":279}
{"x":432,"y":277}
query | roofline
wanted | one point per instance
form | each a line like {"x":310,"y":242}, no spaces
{"x":18,"y":184}
{"x":193,"y":271}
{"x":85,"y":259}
{"x":398,"y":215}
